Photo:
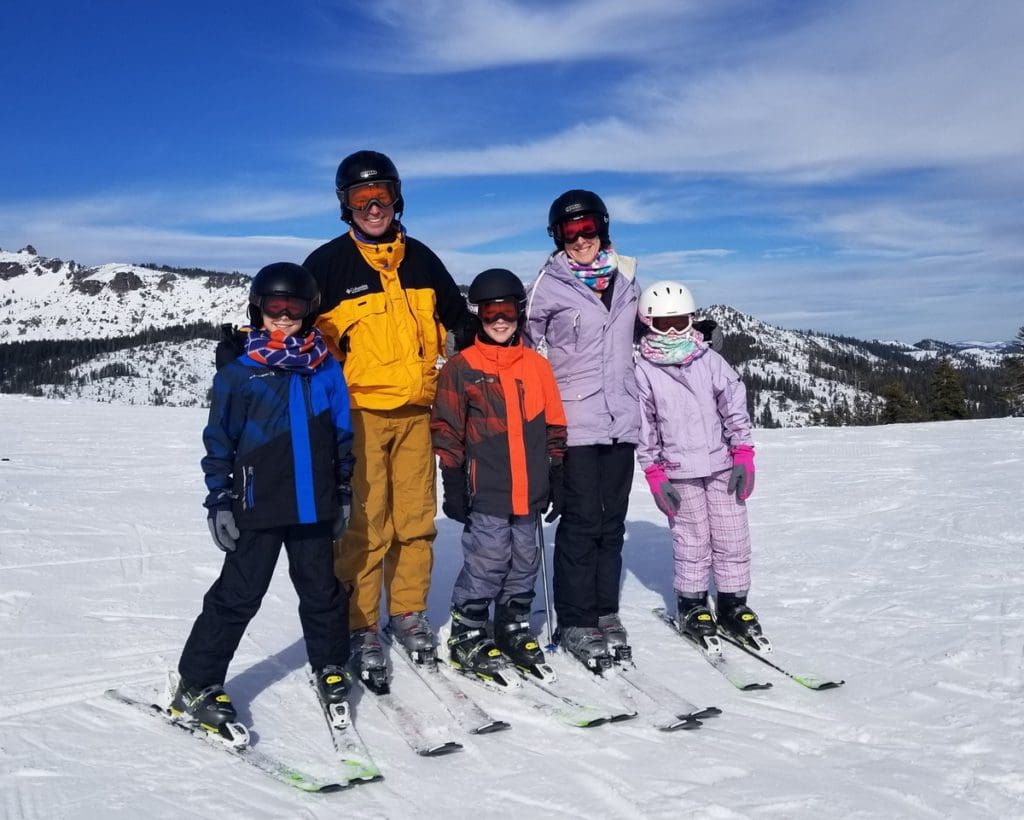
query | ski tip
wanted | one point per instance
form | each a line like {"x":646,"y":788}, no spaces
{"x":817,"y":684}
{"x":493,"y":726}
{"x":441,"y":749}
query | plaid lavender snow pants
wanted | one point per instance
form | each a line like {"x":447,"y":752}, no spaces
{"x":710,"y":535}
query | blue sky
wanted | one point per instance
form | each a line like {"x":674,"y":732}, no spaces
{"x":850,"y":167}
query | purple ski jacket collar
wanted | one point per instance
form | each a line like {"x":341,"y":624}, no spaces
{"x":590,"y":349}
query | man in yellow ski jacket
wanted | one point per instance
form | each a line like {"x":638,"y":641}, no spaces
{"x":386,"y":300}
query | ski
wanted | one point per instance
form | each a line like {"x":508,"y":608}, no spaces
{"x":782,"y":662}
{"x":426,"y":741}
{"x":574,"y":670}
{"x":567,"y":688}
{"x":264,"y":763}
{"x":356,"y":762}
{"x":563,"y":709}
{"x":653,"y":712}
{"x":628,"y":675}
{"x":469,"y":714}
{"x":742,"y":679}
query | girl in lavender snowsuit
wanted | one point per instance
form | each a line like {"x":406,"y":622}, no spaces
{"x":582,"y":306}
{"x":698,"y":457}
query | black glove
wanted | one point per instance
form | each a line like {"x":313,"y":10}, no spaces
{"x":222,"y":527}
{"x":344,"y":511}
{"x":556,"y":492}
{"x":712,"y":334}
{"x":455,"y":503}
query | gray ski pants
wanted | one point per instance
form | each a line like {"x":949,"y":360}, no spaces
{"x":501,"y":558}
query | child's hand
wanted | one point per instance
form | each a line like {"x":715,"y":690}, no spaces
{"x":344,"y":511}
{"x":556,"y":492}
{"x":222,"y":528}
{"x":455,"y":503}
{"x":666,"y":496}
{"x":741,"y":481}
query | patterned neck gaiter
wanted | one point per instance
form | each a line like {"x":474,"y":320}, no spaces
{"x":598,"y":273}
{"x":300,"y":354}
{"x":671,"y":348}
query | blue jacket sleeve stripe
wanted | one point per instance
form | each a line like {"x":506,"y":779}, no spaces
{"x":302,"y":455}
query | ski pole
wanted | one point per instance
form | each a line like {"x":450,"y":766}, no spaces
{"x":544,"y":578}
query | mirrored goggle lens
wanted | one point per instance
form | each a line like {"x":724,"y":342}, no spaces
{"x":680,"y":324}
{"x":361,"y":197}
{"x":585,"y":227}
{"x":491,"y":312}
{"x":291,"y":306}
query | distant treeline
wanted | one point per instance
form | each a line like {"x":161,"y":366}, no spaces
{"x":25,"y":365}
{"x":897,"y":378}
{"x":187,"y":271}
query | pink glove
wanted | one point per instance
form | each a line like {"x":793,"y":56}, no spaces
{"x":742,"y":479}
{"x":665,"y":495}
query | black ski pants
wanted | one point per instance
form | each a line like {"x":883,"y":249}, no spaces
{"x":588,"y":541}
{"x":236,"y":595}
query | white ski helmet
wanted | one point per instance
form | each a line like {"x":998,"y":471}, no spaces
{"x":665,"y":298}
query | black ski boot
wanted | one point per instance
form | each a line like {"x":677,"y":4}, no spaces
{"x":211,"y":708}
{"x":587,"y":645}
{"x":693,"y":618}
{"x":367,"y":660}
{"x":615,"y":636}
{"x":739,"y":622}
{"x":513,"y":637}
{"x":333,"y":685}
{"x":471,"y":649}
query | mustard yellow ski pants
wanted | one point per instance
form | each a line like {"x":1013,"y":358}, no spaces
{"x":390,"y":536}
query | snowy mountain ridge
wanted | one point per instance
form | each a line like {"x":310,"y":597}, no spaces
{"x":796,"y":378}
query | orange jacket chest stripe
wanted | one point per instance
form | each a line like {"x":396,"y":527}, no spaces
{"x":507,"y":365}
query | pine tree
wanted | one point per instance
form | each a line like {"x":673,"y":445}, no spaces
{"x":900,"y":406}
{"x":1011,"y":377}
{"x":946,"y":397}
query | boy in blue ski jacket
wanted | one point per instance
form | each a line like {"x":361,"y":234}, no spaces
{"x":278,"y":463}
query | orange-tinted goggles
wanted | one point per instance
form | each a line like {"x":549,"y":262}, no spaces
{"x":585,"y":226}
{"x":491,"y":312}
{"x":361,"y":197}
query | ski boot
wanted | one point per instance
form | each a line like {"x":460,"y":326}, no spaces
{"x":694,"y":621}
{"x":367,"y":661}
{"x":412,"y":630}
{"x":473,"y":652}
{"x":615,"y":636}
{"x":587,"y":645}
{"x":513,"y":637}
{"x":333,"y":684}
{"x":739,"y":622}
{"x":210,"y":708}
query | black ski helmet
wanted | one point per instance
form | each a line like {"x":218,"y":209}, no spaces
{"x":572,"y":205}
{"x":496,"y":285}
{"x":283,"y":279}
{"x":366,"y":166}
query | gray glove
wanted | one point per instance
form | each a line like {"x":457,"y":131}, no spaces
{"x":223,"y":529}
{"x":344,"y":511}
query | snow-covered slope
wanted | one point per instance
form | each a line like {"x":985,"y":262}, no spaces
{"x":56,"y":299}
{"x":890,"y":555}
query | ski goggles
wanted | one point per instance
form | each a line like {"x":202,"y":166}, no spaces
{"x":678,"y":324}
{"x":294,"y":307}
{"x":491,"y":312}
{"x":585,"y":226}
{"x":362,"y":196}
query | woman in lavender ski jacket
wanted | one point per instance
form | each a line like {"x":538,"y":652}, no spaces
{"x":582,"y":309}
{"x":698,"y":458}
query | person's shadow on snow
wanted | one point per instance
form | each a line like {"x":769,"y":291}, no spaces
{"x":647,"y":554}
{"x":262,"y":675}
